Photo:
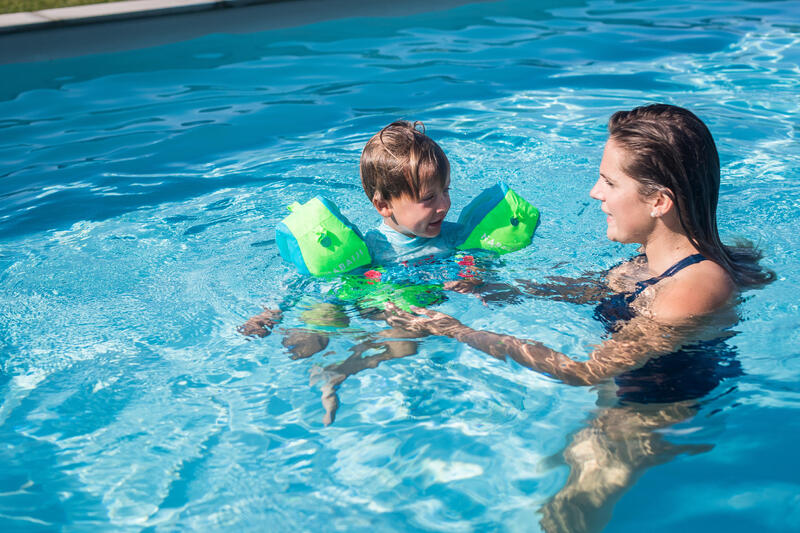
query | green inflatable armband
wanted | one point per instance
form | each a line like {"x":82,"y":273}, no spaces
{"x":499,"y":220}
{"x":319,"y":240}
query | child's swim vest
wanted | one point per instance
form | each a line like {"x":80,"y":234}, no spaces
{"x":319,"y":240}
{"x":369,"y":290}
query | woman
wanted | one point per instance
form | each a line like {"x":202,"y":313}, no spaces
{"x":658,"y":186}
{"x":664,"y":309}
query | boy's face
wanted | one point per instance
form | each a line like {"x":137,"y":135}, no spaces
{"x":420,"y":218}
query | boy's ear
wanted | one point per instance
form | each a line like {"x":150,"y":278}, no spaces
{"x":383,"y":207}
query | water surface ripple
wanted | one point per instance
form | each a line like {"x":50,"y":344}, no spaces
{"x":140,"y":191}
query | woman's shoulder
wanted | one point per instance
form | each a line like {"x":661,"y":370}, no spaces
{"x":624,"y":276}
{"x":697,"y":290}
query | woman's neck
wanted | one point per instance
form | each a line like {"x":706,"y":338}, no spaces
{"x":665,"y":249}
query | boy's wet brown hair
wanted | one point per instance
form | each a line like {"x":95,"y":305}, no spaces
{"x":401,"y":160}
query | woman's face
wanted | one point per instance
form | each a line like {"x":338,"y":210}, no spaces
{"x":628,"y":212}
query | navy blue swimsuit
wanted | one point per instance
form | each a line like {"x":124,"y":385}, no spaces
{"x":689,"y":373}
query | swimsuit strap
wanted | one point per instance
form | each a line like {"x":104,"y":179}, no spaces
{"x":617,"y":307}
{"x":671,"y":271}
{"x":683,"y":263}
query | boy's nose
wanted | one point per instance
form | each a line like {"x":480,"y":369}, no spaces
{"x":444,"y":202}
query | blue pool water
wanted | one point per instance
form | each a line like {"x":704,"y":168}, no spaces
{"x":140,"y":191}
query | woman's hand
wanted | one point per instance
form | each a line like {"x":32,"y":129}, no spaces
{"x":432,"y":322}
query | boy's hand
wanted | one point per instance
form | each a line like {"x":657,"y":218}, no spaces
{"x":260,"y":325}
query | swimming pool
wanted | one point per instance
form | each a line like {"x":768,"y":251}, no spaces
{"x":140,"y":192}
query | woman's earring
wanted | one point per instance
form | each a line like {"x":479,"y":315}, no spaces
{"x":653,"y":213}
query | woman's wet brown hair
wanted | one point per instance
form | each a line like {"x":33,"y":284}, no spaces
{"x":669,"y":148}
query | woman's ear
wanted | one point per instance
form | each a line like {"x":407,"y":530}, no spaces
{"x":662,"y":203}
{"x":383,"y":207}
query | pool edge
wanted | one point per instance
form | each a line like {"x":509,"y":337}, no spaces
{"x":113,"y":11}
{"x":52,"y":40}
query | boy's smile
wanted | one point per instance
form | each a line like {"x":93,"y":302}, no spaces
{"x":419,"y":218}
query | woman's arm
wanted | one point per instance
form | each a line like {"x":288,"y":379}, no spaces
{"x":630,"y":347}
{"x":592,"y":287}
{"x":587,"y":289}
{"x":583,"y":290}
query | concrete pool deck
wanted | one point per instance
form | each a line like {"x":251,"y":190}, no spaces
{"x":102,"y":28}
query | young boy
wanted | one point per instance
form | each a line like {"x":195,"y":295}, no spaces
{"x":406,"y":176}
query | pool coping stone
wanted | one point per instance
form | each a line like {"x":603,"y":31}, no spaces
{"x":97,"y":13}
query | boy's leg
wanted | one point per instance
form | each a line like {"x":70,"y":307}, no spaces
{"x":303,"y":343}
{"x":338,"y":372}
